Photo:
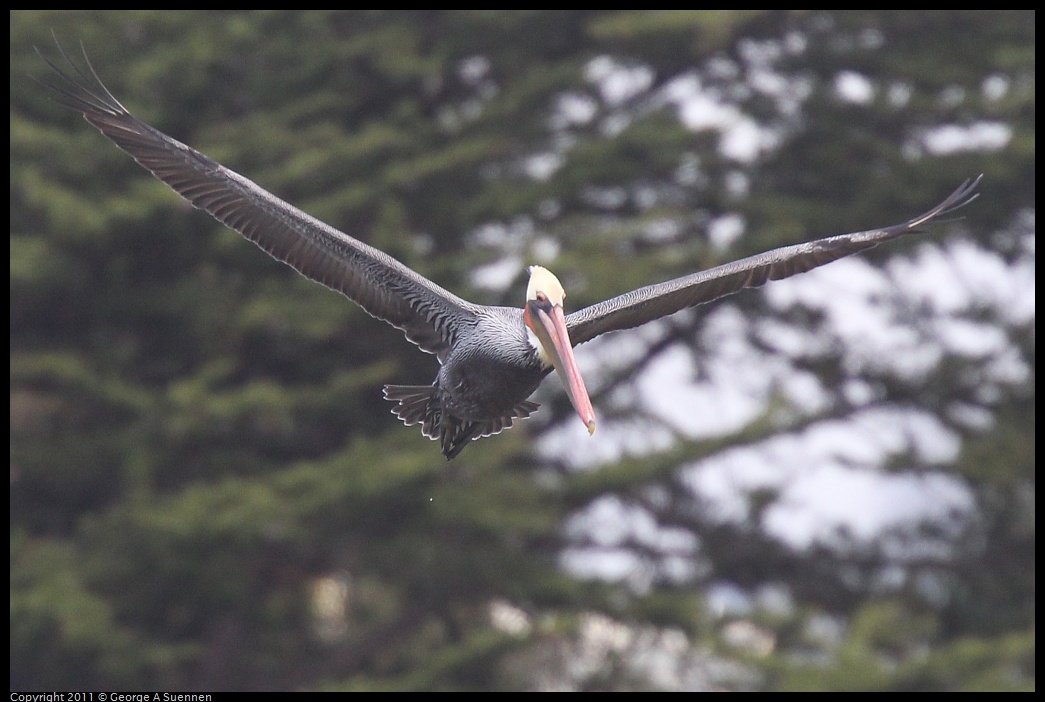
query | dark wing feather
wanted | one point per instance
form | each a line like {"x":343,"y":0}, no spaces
{"x":655,"y":301}
{"x":429,"y":315}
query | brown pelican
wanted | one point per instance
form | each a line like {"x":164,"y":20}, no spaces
{"x":491,"y":358}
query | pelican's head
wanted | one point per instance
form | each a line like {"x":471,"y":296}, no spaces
{"x":543,"y":281}
{"x":545,"y":318}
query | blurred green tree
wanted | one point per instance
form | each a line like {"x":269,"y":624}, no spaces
{"x":207,"y":491}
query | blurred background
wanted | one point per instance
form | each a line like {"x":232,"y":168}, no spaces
{"x":823,"y":484}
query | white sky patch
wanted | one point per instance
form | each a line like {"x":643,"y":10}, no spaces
{"x":492,"y":234}
{"x":475,"y":68}
{"x":723,"y":231}
{"x":829,"y":478}
{"x":737,"y":379}
{"x":614,"y":565}
{"x":518,"y":245}
{"x":574,"y":109}
{"x":745,"y":140}
{"x":543,"y":166}
{"x":741,"y":137}
{"x":960,"y":275}
{"x":828,"y":482}
{"x":697,"y":409}
{"x":497,"y":275}
{"x":959,"y":279}
{"x":854,"y":296}
{"x":500,"y":273}
{"x":661,"y":230}
{"x":899,"y":94}
{"x":609,"y":526}
{"x":545,"y":249}
{"x":982,"y":136}
{"x":995,"y":87}
{"x":970,"y":339}
{"x":617,"y":82}
{"x":610,"y":522}
{"x":570,"y":443}
{"x":862,"y":502}
{"x":853,"y":87}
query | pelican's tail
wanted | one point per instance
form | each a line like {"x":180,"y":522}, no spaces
{"x":421,"y":404}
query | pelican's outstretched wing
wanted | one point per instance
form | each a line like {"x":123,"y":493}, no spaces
{"x":429,"y":315}
{"x":655,"y":301}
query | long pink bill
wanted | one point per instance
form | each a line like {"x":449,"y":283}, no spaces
{"x":551,"y":331}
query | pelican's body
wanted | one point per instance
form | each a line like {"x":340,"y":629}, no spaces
{"x":492,"y":358}
{"x":482,"y":384}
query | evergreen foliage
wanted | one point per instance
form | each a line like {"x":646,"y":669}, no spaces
{"x":208,"y":492}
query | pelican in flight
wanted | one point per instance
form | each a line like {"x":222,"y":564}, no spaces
{"x":491,"y":358}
